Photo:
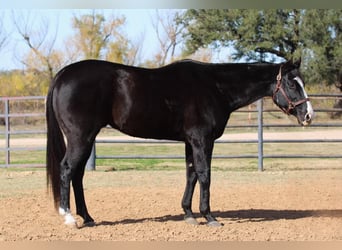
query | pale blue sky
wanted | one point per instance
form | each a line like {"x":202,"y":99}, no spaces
{"x":138,"y":25}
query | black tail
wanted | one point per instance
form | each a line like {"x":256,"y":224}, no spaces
{"x":55,"y":149}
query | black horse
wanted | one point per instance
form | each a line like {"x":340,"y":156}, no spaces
{"x":185,"y":101}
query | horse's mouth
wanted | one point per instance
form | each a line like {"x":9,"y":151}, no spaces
{"x":305,"y":123}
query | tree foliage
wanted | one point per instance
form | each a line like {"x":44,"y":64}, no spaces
{"x":269,"y":35}
{"x":22,"y":83}
{"x":99,"y":38}
{"x":323,"y":32}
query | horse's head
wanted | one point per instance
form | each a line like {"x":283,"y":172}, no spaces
{"x":289,"y":93}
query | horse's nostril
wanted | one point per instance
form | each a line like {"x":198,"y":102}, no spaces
{"x":307,"y":117}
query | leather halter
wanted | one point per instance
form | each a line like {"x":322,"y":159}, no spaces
{"x":291,"y":104}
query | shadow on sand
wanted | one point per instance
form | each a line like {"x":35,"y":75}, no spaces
{"x":251,"y":215}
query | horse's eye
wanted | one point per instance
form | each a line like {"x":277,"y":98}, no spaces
{"x":292,"y":84}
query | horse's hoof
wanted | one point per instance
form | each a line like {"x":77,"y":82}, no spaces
{"x":214,"y":223}
{"x":191,"y":221}
{"x":70,"y":221}
{"x":71,"y":224}
{"x":89,"y":224}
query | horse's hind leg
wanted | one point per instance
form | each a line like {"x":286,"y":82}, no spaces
{"x":81,"y":208}
{"x":65,"y":177}
{"x":191,"y":179}
{"x":72,"y":169}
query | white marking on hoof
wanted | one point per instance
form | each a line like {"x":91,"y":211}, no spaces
{"x":61,"y":211}
{"x":68,"y":218}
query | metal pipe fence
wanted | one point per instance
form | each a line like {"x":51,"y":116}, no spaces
{"x":7,"y":115}
{"x":7,"y":133}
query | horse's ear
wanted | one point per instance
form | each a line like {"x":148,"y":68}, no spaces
{"x":290,"y":65}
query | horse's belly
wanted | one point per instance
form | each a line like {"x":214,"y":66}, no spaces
{"x":157,"y":128}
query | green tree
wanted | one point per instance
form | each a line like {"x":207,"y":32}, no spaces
{"x":251,"y":32}
{"x":323,"y":44}
{"x":267,"y":35}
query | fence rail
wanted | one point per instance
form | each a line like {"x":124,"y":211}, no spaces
{"x":7,"y":133}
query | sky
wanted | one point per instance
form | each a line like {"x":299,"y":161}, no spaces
{"x":138,"y":24}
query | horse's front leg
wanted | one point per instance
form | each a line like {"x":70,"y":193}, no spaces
{"x":202,"y":153}
{"x":191,"y":180}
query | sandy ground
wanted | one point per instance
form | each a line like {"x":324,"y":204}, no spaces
{"x":145,"y":206}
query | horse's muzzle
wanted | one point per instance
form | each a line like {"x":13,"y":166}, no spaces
{"x":307,"y":119}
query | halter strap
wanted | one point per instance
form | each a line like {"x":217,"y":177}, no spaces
{"x":291,"y":104}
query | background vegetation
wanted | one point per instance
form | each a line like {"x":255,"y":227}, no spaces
{"x":252,"y":35}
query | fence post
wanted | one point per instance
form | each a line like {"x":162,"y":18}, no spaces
{"x":91,"y":160}
{"x":260,"y":135}
{"x":7,"y":133}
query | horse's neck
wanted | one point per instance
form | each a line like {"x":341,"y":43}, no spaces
{"x":251,"y":93}
{"x":245,"y":89}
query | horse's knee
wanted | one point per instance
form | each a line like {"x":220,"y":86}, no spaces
{"x":204,"y":178}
